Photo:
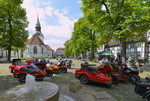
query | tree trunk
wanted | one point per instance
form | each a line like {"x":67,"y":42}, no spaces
{"x":18,"y":53}
{"x":2,"y":53}
{"x":92,"y":55}
{"x":123,"y":51}
{"x":9,"y":54}
{"x":6,"y":53}
{"x":10,"y":36}
{"x":146,"y":52}
{"x":93,"y":47}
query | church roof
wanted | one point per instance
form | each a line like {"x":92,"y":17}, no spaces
{"x":60,"y":48}
{"x":48,"y":47}
{"x":35,"y":40}
{"x":39,"y":33}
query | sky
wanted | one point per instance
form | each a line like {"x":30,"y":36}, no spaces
{"x":56,"y":17}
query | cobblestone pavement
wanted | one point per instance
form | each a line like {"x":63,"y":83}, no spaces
{"x":124,"y":91}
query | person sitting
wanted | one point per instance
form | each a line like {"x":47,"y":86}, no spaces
{"x":103,"y":61}
{"x":131,"y":63}
{"x":34,"y":66}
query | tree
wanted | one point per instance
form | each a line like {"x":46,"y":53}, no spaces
{"x":13,"y":23}
{"x":67,"y":50}
{"x":83,"y":39}
{"x":118,"y":19}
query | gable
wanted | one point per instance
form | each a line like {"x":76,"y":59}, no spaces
{"x":35,"y":40}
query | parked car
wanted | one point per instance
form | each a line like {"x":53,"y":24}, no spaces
{"x":88,"y":73}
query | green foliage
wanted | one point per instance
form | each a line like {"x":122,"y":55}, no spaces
{"x":68,"y":47}
{"x":118,"y":19}
{"x":13,"y":23}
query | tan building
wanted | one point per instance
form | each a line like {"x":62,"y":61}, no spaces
{"x":59,"y":53}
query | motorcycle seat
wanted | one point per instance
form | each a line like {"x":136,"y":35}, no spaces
{"x":28,"y":70}
{"x":145,"y":84}
{"x":38,"y":63}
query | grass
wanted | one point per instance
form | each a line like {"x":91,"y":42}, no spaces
{"x":4,"y":69}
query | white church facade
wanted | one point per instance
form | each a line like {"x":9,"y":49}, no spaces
{"x":36,"y":48}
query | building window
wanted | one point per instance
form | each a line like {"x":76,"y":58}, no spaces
{"x":139,"y":44}
{"x":42,"y":50}
{"x":127,"y":50}
{"x":34,"y":50}
{"x":132,"y":49}
{"x":132,"y":46}
{"x":128,"y":46}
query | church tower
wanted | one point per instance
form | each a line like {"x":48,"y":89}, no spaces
{"x":38,"y":30}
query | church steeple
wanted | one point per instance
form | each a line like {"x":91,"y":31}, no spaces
{"x":38,"y":29}
{"x":38,"y":26}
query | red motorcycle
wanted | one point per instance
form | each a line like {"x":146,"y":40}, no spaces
{"x":124,"y":73}
{"x":20,"y":70}
{"x":43,"y":66}
{"x":60,"y":66}
{"x":108,"y":70}
{"x":132,"y":74}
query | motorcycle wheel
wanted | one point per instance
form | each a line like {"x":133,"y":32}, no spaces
{"x":148,"y":98}
{"x":84,"y":79}
{"x":64,"y":70}
{"x":115,"y":79}
{"x":22,"y":78}
{"x":49,"y":73}
{"x":69,"y":67}
{"x":140,"y":90}
{"x":135,"y":80}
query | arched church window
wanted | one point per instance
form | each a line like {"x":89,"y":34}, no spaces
{"x":34,"y":50}
{"x":42,"y":50}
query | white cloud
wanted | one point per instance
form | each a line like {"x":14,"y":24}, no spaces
{"x":31,"y":13}
{"x":49,"y":11}
{"x":54,"y":44}
{"x":79,"y":2}
{"x":64,"y":25}
{"x":46,"y":3}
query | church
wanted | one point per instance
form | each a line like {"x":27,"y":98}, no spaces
{"x":35,"y":46}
